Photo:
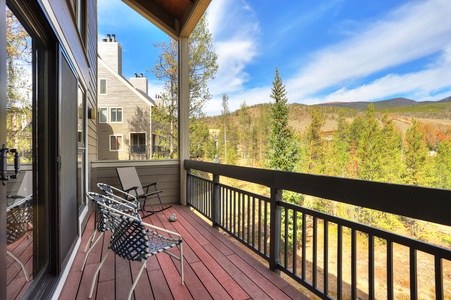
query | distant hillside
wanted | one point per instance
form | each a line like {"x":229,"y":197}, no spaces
{"x":389,"y":104}
{"x":402,"y":110}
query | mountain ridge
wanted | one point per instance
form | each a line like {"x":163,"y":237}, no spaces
{"x":383,"y":104}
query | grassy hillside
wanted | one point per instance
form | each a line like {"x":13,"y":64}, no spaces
{"x":436,"y":114}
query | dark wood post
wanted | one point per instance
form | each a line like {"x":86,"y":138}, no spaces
{"x":275,"y":234}
{"x":215,"y":205}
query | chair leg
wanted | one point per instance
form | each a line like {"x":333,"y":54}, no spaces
{"x":97,"y":273}
{"x":89,"y":250}
{"x":135,"y":282}
{"x":182,"y":273}
{"x":19,"y":262}
{"x":90,"y":239}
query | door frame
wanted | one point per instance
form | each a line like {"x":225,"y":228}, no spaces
{"x":3,"y":72}
{"x":45,"y":151}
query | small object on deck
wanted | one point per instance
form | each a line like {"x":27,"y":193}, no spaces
{"x":172,"y":218}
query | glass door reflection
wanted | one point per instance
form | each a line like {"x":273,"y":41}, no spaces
{"x":19,"y":135}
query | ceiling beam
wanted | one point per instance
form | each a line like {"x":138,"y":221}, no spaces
{"x":157,"y":15}
{"x":161,"y":18}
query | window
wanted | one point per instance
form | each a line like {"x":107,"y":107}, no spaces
{"x":115,"y":142}
{"x":103,"y":118}
{"x":116,"y":114}
{"x":138,"y":143}
{"x":102,"y":86}
{"x":81,"y":19}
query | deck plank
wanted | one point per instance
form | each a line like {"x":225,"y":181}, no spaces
{"x":215,"y":268}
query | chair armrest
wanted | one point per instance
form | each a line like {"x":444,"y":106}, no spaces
{"x":156,"y":228}
{"x":153,"y":193}
{"x":15,"y":197}
{"x":150,"y":184}
{"x":135,"y":188}
{"x":147,"y":186}
{"x":125,"y":193}
{"x":132,"y":205}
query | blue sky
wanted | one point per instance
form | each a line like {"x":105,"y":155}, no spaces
{"x":326,"y":50}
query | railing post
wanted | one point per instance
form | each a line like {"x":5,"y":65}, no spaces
{"x":215,"y":205}
{"x":188,"y":187}
{"x":275,"y":234}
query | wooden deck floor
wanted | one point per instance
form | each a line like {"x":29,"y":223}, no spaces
{"x":215,"y":268}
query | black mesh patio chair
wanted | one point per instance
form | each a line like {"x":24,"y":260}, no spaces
{"x":119,"y":203}
{"x":132,"y":184}
{"x":134,"y":240}
{"x":18,"y":217}
{"x":120,"y":196}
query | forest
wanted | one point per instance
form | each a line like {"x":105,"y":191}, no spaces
{"x":397,"y":144}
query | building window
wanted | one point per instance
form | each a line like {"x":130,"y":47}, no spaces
{"x":81,"y":19}
{"x":102,"y":86}
{"x":103,"y":118}
{"x":115,"y":142}
{"x":138,"y":143}
{"x":116,"y":114}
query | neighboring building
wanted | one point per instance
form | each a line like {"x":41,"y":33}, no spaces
{"x":125,"y":109}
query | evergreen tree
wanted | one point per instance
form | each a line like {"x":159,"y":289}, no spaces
{"x":245,"y":132}
{"x":283,"y":147}
{"x":225,"y":123}
{"x":339,"y":150}
{"x":316,"y":145}
{"x":370,"y":147}
{"x":261,"y":134}
{"x":416,"y":156}
{"x":443,"y":166}
{"x":200,"y":146}
{"x":392,"y":164}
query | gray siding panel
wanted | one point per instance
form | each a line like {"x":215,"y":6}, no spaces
{"x":166,"y":173}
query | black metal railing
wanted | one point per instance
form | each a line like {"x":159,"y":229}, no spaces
{"x":138,"y":149}
{"x":330,"y":256}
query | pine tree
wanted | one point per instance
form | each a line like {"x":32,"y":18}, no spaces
{"x":370,"y":148}
{"x":417,"y":169}
{"x":443,"y":166}
{"x":225,"y":123}
{"x":316,"y":145}
{"x":339,"y":150}
{"x":392,"y":165}
{"x":245,"y":132}
{"x":283,"y":147}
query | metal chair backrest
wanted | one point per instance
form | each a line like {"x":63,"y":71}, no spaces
{"x":130,"y":238}
{"x":102,"y":201}
{"x":18,"y":216}
{"x":129,"y":178}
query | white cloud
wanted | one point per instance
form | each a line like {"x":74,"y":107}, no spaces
{"x":251,"y":96}
{"x":235,"y":36}
{"x":420,"y":86}
{"x":154,"y":87}
{"x":411,"y":32}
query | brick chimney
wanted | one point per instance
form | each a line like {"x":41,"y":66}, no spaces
{"x":139,"y":82}
{"x":110,"y":51}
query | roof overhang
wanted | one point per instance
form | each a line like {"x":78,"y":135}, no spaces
{"x":177,"y":18}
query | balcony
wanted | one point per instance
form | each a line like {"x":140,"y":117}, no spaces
{"x":320,"y":254}
{"x":215,"y":267}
